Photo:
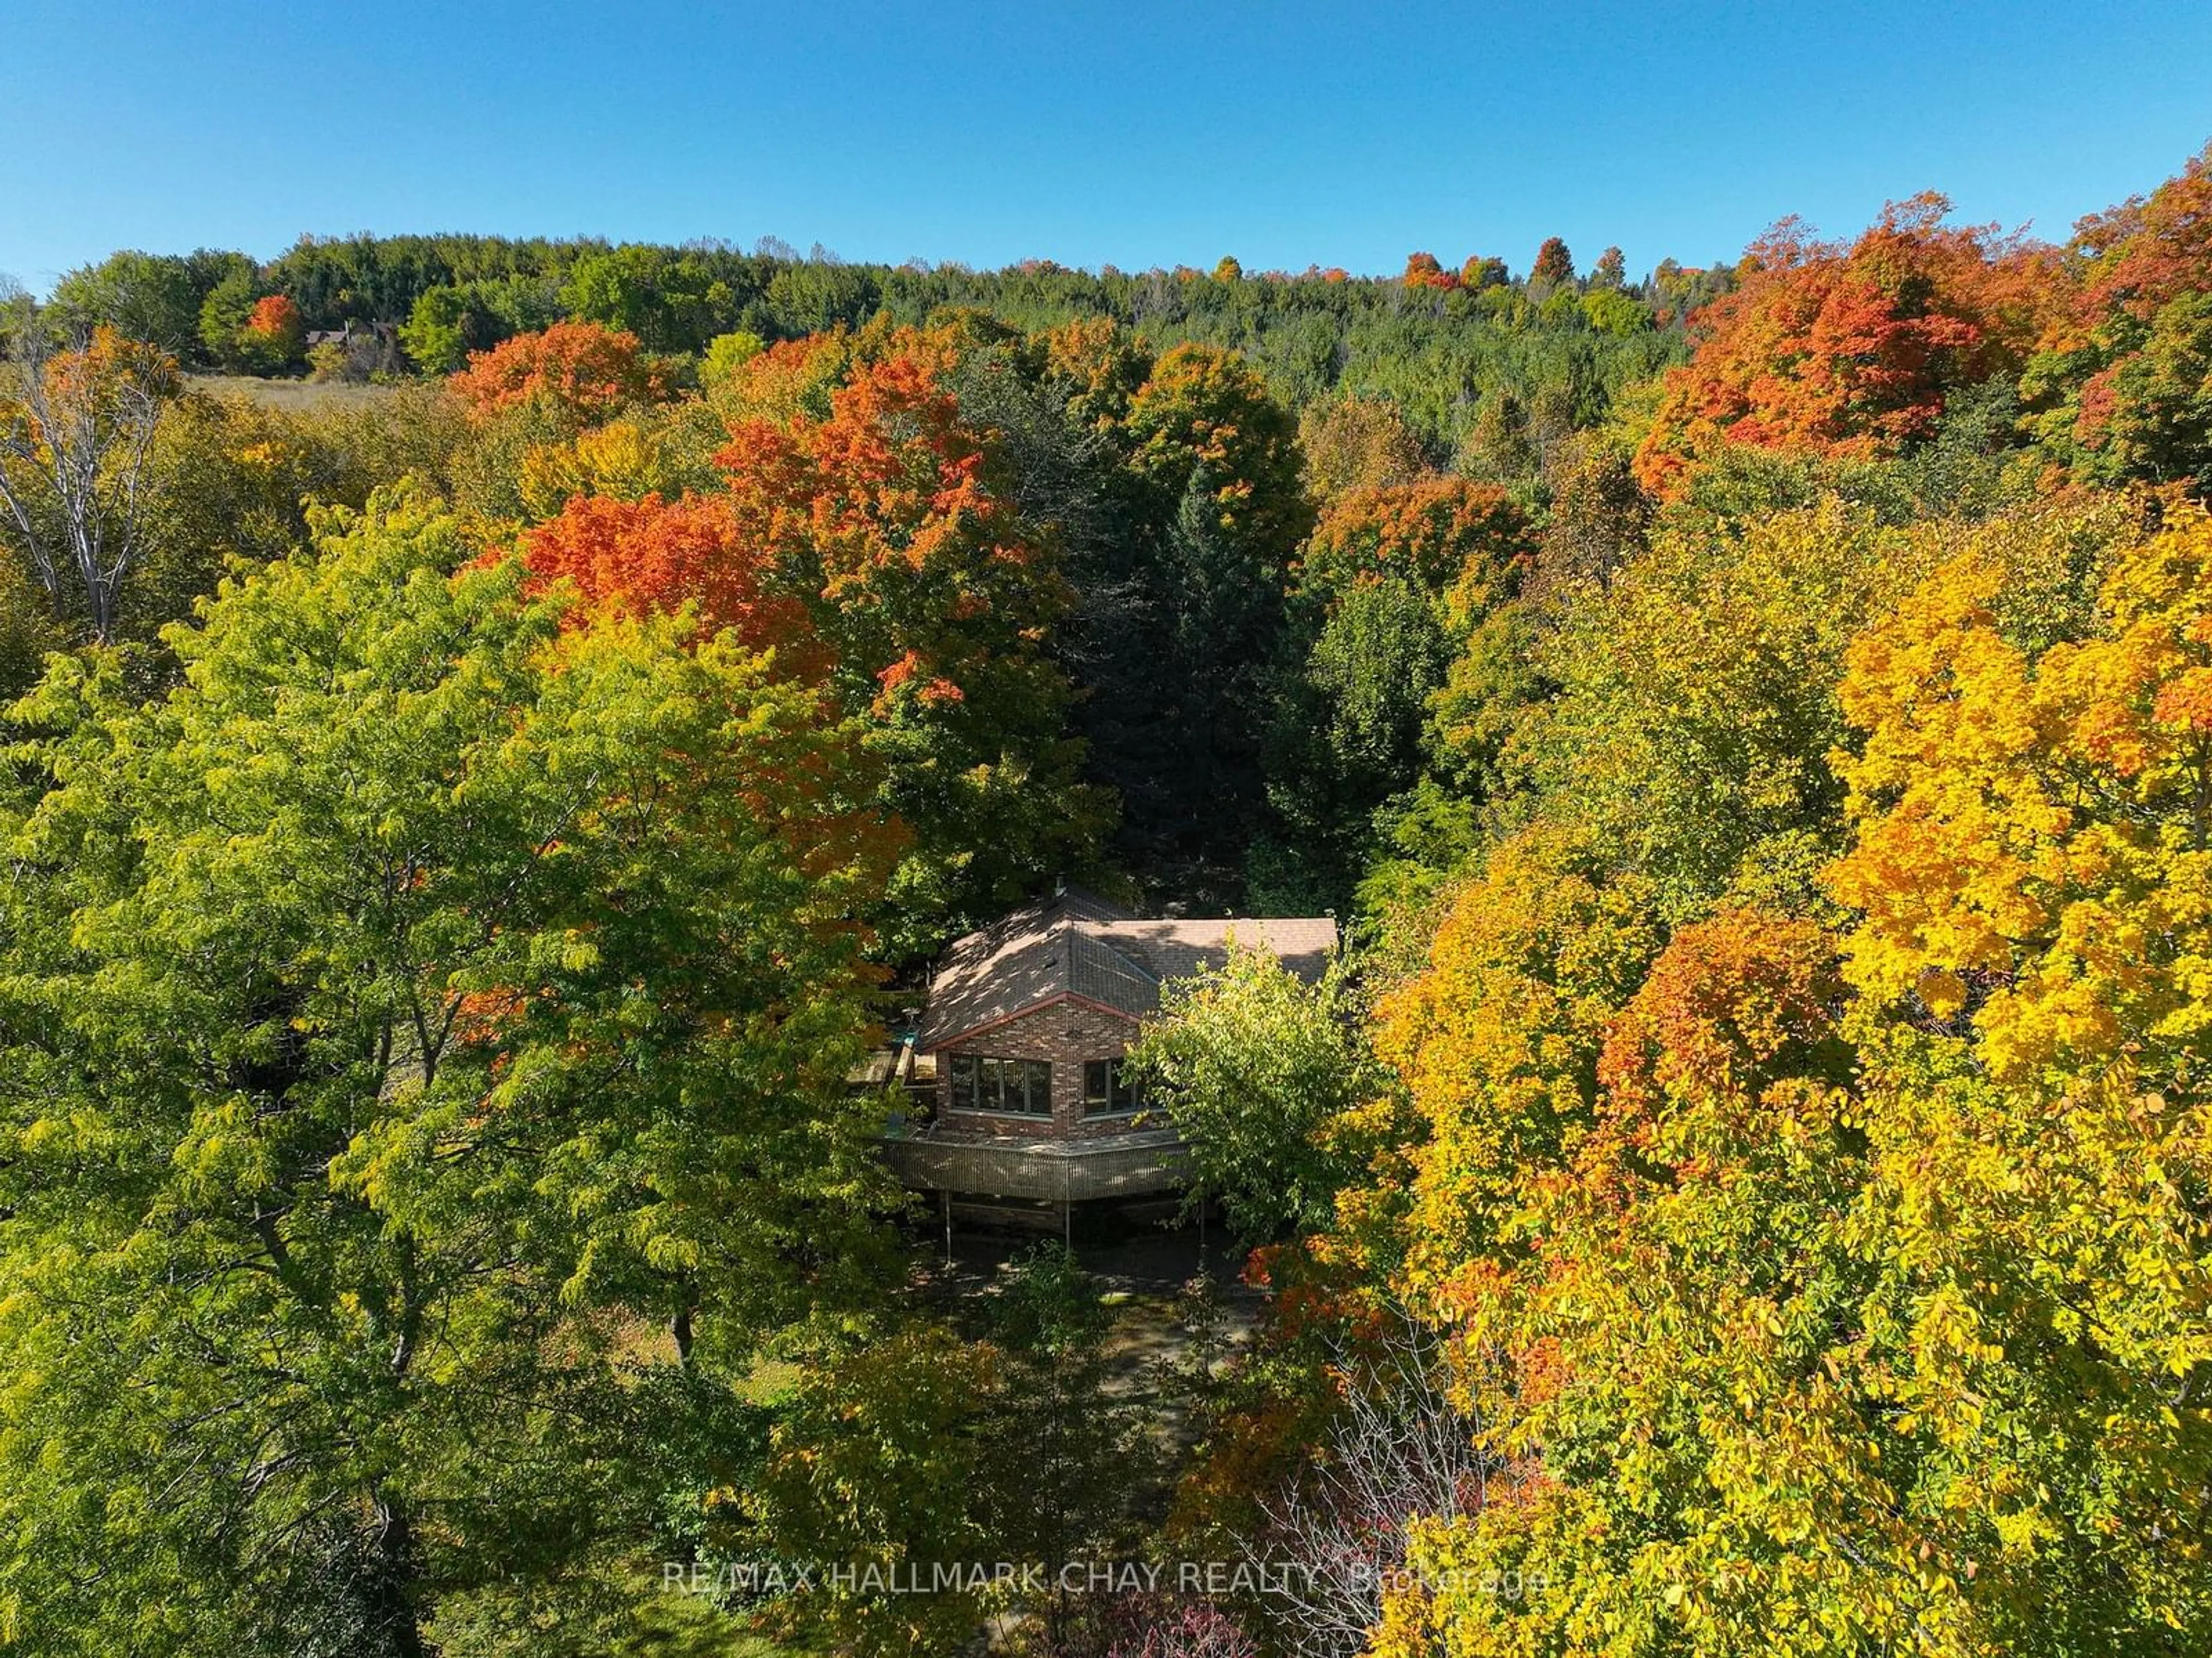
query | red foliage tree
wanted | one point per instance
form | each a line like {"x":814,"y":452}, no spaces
{"x":1438,"y":531}
{"x":1554,"y":264}
{"x":870,"y":548}
{"x":876,"y":523}
{"x":881,"y":519}
{"x":1827,"y":350}
{"x":2145,"y":253}
{"x":1422,"y":271}
{"x":582,"y":369}
{"x":643,"y":556}
{"x":277,"y":319}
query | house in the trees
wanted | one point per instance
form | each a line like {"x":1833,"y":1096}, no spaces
{"x":1018,"y":1054}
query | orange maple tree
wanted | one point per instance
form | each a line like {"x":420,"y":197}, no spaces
{"x":643,"y":557}
{"x":1437,"y":531}
{"x":583,"y":369}
{"x":1422,"y":270}
{"x":870,"y":547}
{"x":880,"y":519}
{"x":1836,"y":351}
{"x":277,"y":318}
{"x":876,"y":522}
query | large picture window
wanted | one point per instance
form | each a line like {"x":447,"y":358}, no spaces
{"x":1108,"y":1090}
{"x":982,"y":1083}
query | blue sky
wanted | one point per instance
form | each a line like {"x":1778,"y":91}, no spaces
{"x":1137,"y":133}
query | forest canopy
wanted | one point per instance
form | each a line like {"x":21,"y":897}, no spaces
{"x":499,"y":728}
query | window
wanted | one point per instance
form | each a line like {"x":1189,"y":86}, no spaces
{"x":1021,"y":1086}
{"x":1107,"y":1090}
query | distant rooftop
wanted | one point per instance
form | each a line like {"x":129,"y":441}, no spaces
{"x":1077,"y":944}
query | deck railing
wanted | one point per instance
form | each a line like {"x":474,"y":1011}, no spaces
{"x":1137,"y":1164}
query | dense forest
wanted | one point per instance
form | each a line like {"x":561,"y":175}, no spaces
{"x":1551,"y":347}
{"x":496,"y":728}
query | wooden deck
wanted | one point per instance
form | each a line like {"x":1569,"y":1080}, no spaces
{"x":1143,"y":1164}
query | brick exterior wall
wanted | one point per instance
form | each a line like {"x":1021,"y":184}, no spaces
{"x":1064,"y":1034}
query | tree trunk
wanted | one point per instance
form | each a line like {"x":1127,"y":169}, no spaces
{"x":394,"y":1596}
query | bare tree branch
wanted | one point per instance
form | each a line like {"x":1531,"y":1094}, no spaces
{"x":1400,"y":1452}
{"x":76,"y":430}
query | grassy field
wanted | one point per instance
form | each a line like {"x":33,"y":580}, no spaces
{"x":288,"y":394}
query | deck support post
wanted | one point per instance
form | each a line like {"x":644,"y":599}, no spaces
{"x":944,"y":1201}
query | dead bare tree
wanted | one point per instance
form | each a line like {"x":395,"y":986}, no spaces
{"x":1400,"y":1452}
{"x":76,"y":431}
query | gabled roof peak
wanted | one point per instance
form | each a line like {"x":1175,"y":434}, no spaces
{"x":1075,"y":944}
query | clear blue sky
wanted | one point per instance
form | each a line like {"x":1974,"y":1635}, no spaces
{"x":1137,"y":133}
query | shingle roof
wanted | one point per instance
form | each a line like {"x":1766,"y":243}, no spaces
{"x":1077,"y":944}
{"x":1172,"y":949}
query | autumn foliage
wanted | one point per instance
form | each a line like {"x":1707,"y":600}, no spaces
{"x":2122,"y":392}
{"x":1851,"y":351}
{"x":275,"y":318}
{"x":1876,"y":1221}
{"x":582,"y":369}
{"x":1435,"y":532}
{"x":858,"y":531}
{"x":1554,"y":263}
{"x":1498,"y":1041}
{"x":1424,"y":271}
{"x":872,"y":526}
{"x":1359,"y":442}
{"x":2033,"y":850}
{"x":880,"y":518}
{"x":649,"y":557}
{"x":1765,"y":1088}
{"x":2147,"y":252}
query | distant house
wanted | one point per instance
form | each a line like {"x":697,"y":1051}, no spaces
{"x":355,"y":333}
{"x":1017,"y":1055}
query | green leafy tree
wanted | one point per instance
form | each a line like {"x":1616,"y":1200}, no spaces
{"x":426,"y":1030}
{"x":1258,"y":1070}
{"x":441,"y":331}
{"x":1391,"y":584}
{"x":817,"y":295}
{"x":728,"y":353}
{"x":2150,"y":416}
{"x":28,"y":630}
{"x":1694,"y":708}
{"x":225,"y":312}
{"x":912,"y":1460}
{"x":1612,"y":311}
{"x":1215,"y":461}
{"x":1501,"y":446}
{"x":1481,"y":271}
{"x":881,"y":1466}
{"x":144,"y":296}
{"x":1349,"y":732}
